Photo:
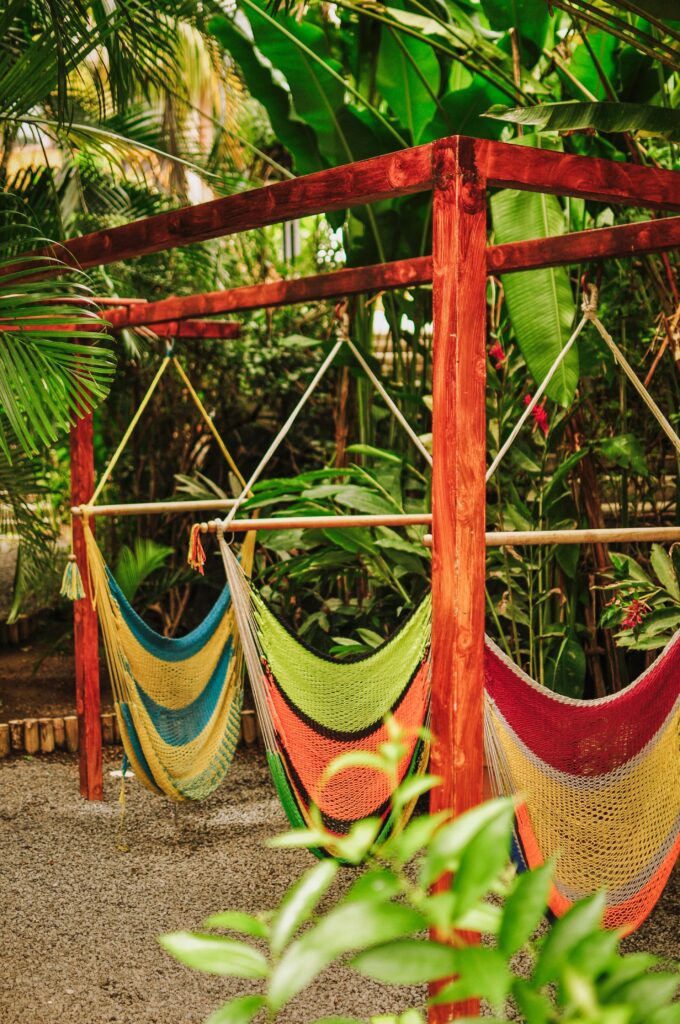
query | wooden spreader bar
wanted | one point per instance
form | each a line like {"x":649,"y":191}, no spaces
{"x":456,"y":172}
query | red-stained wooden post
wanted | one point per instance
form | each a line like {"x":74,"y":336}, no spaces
{"x":85,"y":632}
{"x":458,"y":486}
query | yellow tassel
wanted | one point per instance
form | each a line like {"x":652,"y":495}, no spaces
{"x":72,"y":583}
{"x":121,"y":842}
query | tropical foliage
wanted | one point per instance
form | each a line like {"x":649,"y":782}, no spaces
{"x":571,"y":971}
{"x":219,"y":98}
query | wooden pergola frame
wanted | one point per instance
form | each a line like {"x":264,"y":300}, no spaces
{"x":457,"y":171}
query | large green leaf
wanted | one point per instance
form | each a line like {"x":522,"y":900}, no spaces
{"x":641,"y":118}
{"x":581,"y":65}
{"x":405,"y":65}
{"x":531,"y":19}
{"x":540,"y":302}
{"x":349,"y":926}
{"x":262,"y":83}
{"x":461,"y":112}
{"x":136,"y":565}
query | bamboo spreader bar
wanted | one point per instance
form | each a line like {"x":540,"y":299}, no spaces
{"x":629,"y":535}
{"x":494,"y":539}
{"x":150,"y":508}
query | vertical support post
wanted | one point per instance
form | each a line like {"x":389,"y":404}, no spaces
{"x":458,"y":487}
{"x":85,"y":630}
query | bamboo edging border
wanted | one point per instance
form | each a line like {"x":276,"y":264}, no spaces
{"x":51,"y":735}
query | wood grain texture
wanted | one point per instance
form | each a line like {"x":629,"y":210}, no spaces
{"x":85,"y":629}
{"x":610,"y":181}
{"x":381,"y":177}
{"x":394,"y":174}
{"x":623,"y":240}
{"x":336,"y":283}
{"x":458,"y":488}
{"x":167,"y":315}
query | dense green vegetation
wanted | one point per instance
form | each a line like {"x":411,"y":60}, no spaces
{"x":113,"y":112}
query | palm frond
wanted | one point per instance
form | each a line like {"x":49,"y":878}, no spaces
{"x":53,"y":365}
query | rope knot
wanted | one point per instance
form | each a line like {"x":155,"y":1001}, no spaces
{"x":589,"y":302}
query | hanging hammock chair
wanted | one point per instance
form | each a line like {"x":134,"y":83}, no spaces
{"x":320,"y":707}
{"x":178,"y":701}
{"x":313,"y":708}
{"x":599,"y":781}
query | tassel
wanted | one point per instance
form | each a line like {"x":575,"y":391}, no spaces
{"x":121,"y":842}
{"x":72,"y":583}
{"x":196,"y":557}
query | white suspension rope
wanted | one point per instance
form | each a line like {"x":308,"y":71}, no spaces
{"x":637,"y":384}
{"x":262,"y":464}
{"x":536,"y":398}
{"x":589,"y":307}
{"x":389,"y":401}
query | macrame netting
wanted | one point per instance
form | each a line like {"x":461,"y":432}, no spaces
{"x":178,"y":701}
{"x":314,"y":708}
{"x":599,"y":781}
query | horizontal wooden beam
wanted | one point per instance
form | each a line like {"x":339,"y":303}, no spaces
{"x":335,"y":284}
{"x":623,"y":240}
{"x":381,"y":177}
{"x":367,"y":181}
{"x":584,"y":177}
{"x":493,"y":539}
{"x":581,"y":246}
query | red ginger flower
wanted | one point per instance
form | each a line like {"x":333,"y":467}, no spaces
{"x":497,"y":354}
{"x":540,"y":416}
{"x":635,"y":613}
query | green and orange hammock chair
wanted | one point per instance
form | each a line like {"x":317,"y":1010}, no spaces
{"x":313,"y":708}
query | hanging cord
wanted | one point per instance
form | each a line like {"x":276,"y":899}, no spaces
{"x":540,"y":391}
{"x":632,"y":376}
{"x":262,"y":464}
{"x":128,"y":433}
{"x":380,"y":388}
{"x":72,"y":583}
{"x":589,"y":306}
{"x":209,"y":422}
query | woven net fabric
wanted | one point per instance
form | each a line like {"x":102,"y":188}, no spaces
{"x":320,"y":707}
{"x":178,"y":701}
{"x":600,"y":781}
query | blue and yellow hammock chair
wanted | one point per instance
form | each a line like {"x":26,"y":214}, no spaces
{"x":178,"y":701}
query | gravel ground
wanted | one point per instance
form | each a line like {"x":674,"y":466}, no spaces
{"x":80,"y":919}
